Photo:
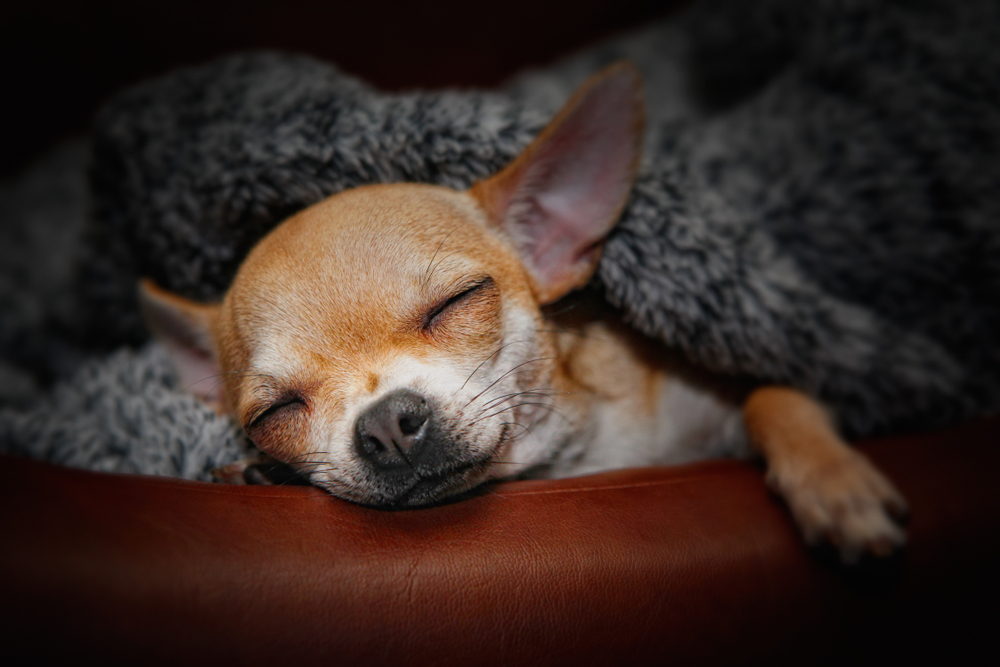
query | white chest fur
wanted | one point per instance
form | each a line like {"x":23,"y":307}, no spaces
{"x":688,"y":423}
{"x":635,"y":403}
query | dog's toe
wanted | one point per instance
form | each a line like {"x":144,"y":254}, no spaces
{"x":847,"y":502}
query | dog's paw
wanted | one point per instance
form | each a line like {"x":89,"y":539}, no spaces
{"x":846,"y":501}
{"x":259,"y":470}
{"x":233,"y":473}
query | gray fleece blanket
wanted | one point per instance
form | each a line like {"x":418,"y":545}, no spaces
{"x":819,"y":205}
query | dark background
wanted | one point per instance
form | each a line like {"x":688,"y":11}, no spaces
{"x":60,"y":59}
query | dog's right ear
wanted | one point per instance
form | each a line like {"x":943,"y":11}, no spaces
{"x":561,"y":196}
{"x":185,"y":329}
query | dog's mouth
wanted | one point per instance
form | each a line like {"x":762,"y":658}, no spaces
{"x":440,"y":487}
{"x":417,"y":487}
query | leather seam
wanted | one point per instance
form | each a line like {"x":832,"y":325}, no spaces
{"x":632,"y":485}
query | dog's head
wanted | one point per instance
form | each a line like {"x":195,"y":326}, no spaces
{"x":389,"y":341}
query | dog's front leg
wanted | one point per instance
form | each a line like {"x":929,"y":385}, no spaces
{"x":833,"y":491}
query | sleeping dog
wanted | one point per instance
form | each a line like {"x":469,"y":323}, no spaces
{"x":400,"y":344}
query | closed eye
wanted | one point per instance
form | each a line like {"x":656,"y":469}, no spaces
{"x":454,"y":302}
{"x":276,"y":409}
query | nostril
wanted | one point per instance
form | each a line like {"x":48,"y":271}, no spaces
{"x":370,"y":445}
{"x":409,"y":424}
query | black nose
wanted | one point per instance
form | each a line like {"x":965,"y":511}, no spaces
{"x":391,"y":433}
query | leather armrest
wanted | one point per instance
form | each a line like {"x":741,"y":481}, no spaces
{"x":690,"y":564}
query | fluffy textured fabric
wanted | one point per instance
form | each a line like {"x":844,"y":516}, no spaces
{"x":125,"y":414}
{"x":818,"y":205}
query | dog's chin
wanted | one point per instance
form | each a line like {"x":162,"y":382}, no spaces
{"x":415,"y":488}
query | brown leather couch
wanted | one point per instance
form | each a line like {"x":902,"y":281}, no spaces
{"x":689,"y":565}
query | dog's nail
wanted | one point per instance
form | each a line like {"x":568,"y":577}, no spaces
{"x":899,"y":511}
{"x":882,"y":547}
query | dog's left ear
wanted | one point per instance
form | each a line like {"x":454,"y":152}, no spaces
{"x":562,"y":195}
{"x":185,"y":329}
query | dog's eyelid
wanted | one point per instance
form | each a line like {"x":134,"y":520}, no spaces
{"x":268,"y":409}
{"x":461,"y":295}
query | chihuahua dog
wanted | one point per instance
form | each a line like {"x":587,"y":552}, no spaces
{"x":400,"y":344}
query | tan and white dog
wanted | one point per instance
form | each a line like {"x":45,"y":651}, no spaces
{"x":403,"y":343}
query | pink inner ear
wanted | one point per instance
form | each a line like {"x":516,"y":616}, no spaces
{"x":182,"y":327}
{"x":198,"y":372}
{"x":577,"y":179}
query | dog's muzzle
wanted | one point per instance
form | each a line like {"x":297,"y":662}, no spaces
{"x":411,"y":456}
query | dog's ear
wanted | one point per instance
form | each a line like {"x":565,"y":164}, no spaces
{"x":185,"y":329}
{"x":562,"y":195}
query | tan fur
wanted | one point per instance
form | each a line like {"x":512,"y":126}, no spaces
{"x":321,"y":267}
